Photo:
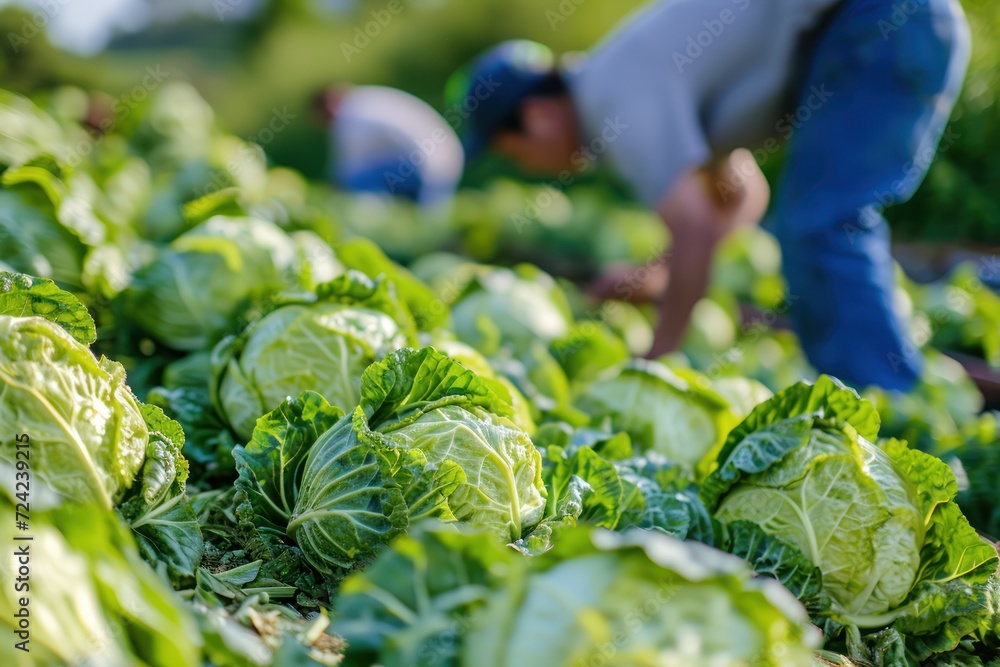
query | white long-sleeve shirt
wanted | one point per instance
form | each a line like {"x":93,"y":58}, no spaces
{"x":681,"y":81}
{"x":384,"y":128}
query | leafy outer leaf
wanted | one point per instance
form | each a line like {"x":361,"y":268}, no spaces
{"x":88,"y":435}
{"x":348,"y":506}
{"x":585,"y":598}
{"x":421,"y":380}
{"x":500,"y":385}
{"x":934,"y":481}
{"x":771,"y":557}
{"x":165,"y":526}
{"x":503,"y":488}
{"x":357,"y":289}
{"x":949,"y":553}
{"x":421,"y":595}
{"x":100,"y":602}
{"x":940,"y":615}
{"x":363,"y":255}
{"x":24,"y":296}
{"x":602,"y":489}
{"x":851,"y":515}
{"x":168,"y":533}
{"x":828,"y":394}
{"x":169,"y":434}
{"x":657,"y":498}
{"x":774,"y":428}
{"x":427,"y":489}
{"x":886,"y":648}
{"x":953,"y":595}
{"x":210,"y":443}
{"x":271,"y":465}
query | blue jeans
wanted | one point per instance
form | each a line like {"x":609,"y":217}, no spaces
{"x":382,"y":178}
{"x":387,"y":179}
{"x":880,"y":87}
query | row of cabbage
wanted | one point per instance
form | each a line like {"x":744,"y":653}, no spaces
{"x":339,"y":462}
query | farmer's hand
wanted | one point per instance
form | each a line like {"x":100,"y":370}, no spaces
{"x":642,"y":284}
{"x":739,"y":190}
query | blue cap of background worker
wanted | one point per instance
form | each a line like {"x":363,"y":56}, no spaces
{"x":486,"y":95}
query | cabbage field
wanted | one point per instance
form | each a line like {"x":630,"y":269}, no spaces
{"x":248,"y":421}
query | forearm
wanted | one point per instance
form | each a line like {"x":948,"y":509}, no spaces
{"x":690,"y":272}
{"x":702,"y":209}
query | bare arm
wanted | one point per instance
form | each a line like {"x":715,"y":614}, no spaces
{"x":701,"y":209}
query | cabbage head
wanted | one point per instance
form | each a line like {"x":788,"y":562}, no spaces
{"x":684,"y":420}
{"x":511,"y":307}
{"x":429,"y":439}
{"x":82,"y":432}
{"x":323,"y":345}
{"x":189,"y":297}
{"x":98,"y":603}
{"x":88,"y":437}
{"x":876,"y":518}
{"x":441,"y":596}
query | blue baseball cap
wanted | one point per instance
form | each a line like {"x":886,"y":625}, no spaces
{"x":484,"y":94}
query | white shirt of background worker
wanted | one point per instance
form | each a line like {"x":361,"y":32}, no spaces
{"x":386,"y":141}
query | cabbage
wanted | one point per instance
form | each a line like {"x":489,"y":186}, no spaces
{"x":93,"y":601}
{"x":515,"y":308}
{"x":429,"y":439}
{"x":28,"y":131}
{"x":87,"y":432}
{"x":876,"y":518}
{"x":190,"y":296}
{"x":89,"y":439}
{"x":685,"y":421}
{"x":440,"y":597}
{"x":323,"y":346}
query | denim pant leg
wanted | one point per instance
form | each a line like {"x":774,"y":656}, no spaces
{"x":880,"y":88}
{"x":383,"y":178}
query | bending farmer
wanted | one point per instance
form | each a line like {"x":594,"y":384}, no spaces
{"x":678,"y":94}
